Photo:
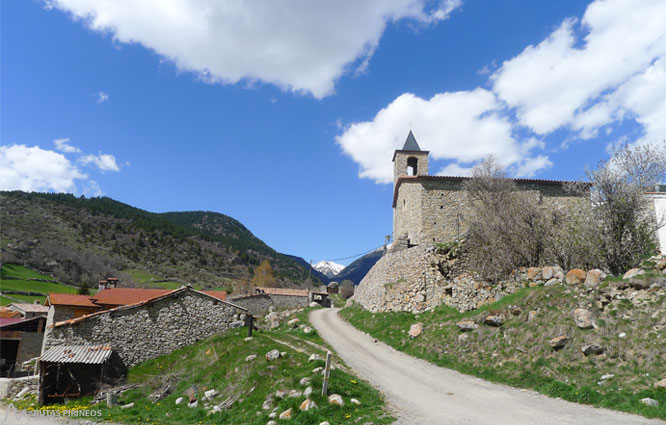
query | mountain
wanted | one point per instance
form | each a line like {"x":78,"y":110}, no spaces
{"x":328,"y":268}
{"x":357,"y":270}
{"x":315,"y":273}
{"x":81,"y":240}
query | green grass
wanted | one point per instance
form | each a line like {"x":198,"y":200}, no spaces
{"x":219,"y":362}
{"x":517,"y":353}
{"x":21,"y":282}
{"x":142,"y":276}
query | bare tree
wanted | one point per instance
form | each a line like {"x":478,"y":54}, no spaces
{"x":625,"y":217}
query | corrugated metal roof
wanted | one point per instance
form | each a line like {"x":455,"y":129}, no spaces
{"x":88,"y":354}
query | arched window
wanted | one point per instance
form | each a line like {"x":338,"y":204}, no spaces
{"x":412,"y":166}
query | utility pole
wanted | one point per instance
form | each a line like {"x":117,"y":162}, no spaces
{"x":310,"y":283}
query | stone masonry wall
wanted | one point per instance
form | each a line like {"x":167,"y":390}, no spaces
{"x":10,"y":387}
{"x":30,"y":346}
{"x":408,"y":212}
{"x":257,"y":305}
{"x":281,"y":302}
{"x":422,"y":278}
{"x":146,"y":331}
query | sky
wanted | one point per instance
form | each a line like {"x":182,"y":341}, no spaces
{"x":285,"y":114}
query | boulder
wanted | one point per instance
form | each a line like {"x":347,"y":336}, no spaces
{"x":294,"y":394}
{"x":534,"y":273}
{"x":584,"y":318}
{"x":467,"y":325}
{"x":661,"y":384}
{"x":552,"y":281}
{"x":415,"y":330}
{"x":589,"y":349}
{"x":594,"y":278}
{"x":558,"y":342}
{"x":493,"y":320}
{"x":293,"y":322}
{"x":307,"y":405}
{"x":650,"y":402}
{"x":639,"y":283}
{"x":273,"y":355}
{"x":575,"y":276}
{"x":633,"y":273}
{"x":336,"y":400}
{"x":547,"y":272}
{"x":286,"y":414}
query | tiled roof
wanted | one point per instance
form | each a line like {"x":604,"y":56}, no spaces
{"x":287,"y":291}
{"x":56,"y":298}
{"x":126,"y":296}
{"x":31,"y":308}
{"x":77,"y":354}
{"x":222,"y":295}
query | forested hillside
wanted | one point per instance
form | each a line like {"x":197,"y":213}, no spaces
{"x":82,"y":240}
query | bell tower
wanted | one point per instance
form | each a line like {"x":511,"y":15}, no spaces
{"x":410,"y":160}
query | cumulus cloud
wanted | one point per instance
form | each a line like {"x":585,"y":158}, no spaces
{"x":587,"y":82}
{"x":36,"y":169}
{"x":302,"y":46}
{"x":103,"y":161}
{"x":63,"y":146}
{"x":462,"y":127}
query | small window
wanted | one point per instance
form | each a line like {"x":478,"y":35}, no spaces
{"x":404,"y":202}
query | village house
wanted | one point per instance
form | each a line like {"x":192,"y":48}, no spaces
{"x":293,"y":298}
{"x":21,"y":341}
{"x":29,"y":310}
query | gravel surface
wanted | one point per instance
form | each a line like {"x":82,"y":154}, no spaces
{"x":421,"y":393}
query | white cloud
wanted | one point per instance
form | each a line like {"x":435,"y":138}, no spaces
{"x":581,"y":82}
{"x":529,"y":166}
{"x":36,"y":169}
{"x":63,"y":146}
{"x":462,"y":126}
{"x":299,"y":46}
{"x":455,"y":170}
{"x":103,"y":161}
{"x":102,"y":97}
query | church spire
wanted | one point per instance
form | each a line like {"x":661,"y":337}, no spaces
{"x":410,"y":143}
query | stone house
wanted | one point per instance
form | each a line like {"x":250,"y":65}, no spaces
{"x":429,"y":210}
{"x":292,"y":298}
{"x":28,"y":310}
{"x":149,"y":328}
{"x":21,"y":341}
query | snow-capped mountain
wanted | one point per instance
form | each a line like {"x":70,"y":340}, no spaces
{"x":328,"y":268}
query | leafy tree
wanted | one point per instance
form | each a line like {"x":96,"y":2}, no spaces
{"x":84,"y":289}
{"x":263,"y":275}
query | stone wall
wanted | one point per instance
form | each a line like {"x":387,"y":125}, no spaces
{"x":142,"y":332}
{"x":281,"y":302}
{"x":10,"y":387}
{"x":256,"y":305}
{"x":422,"y":278}
{"x":30,"y":346}
{"x":407,"y":214}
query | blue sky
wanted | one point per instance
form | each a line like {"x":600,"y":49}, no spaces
{"x":284,"y":115}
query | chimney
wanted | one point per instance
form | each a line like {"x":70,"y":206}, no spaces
{"x":102,"y":285}
{"x":37,"y":302}
{"x":112,"y":282}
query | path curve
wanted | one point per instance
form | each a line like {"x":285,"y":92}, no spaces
{"x":422,"y":393}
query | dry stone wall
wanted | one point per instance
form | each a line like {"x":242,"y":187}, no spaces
{"x":146,"y":331}
{"x":256,"y":305}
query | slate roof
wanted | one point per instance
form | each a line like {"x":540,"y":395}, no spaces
{"x":410,"y":143}
{"x":31,"y":308}
{"x":96,"y":354}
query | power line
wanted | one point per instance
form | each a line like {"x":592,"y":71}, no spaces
{"x":358,"y":255}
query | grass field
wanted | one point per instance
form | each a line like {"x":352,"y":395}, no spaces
{"x":518,"y":354}
{"x":19,"y":281}
{"x":220,"y":363}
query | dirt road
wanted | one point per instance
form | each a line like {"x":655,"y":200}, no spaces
{"x":421,"y":393}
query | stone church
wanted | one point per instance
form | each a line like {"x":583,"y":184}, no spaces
{"x":428,"y":210}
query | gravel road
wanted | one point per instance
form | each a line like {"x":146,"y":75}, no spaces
{"x":421,"y":393}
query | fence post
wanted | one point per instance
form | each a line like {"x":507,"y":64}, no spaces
{"x":327,"y":374}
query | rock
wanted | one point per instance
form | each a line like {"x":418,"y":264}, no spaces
{"x":584,"y":318}
{"x":547,"y":272}
{"x":463,"y":337}
{"x":415,"y":330}
{"x":493,"y":320}
{"x":130,"y":405}
{"x":280,"y":394}
{"x":272,"y":415}
{"x":307,"y":330}
{"x":294,"y":394}
{"x":283,"y":353}
{"x":558,"y":342}
{"x":467,"y":325}
{"x":313,"y":304}
{"x":286,"y":414}
{"x":639,"y":283}
{"x":271,"y":422}
{"x":273,"y":355}
{"x":336,"y":400}
{"x":324,"y":423}
{"x":266,"y":405}
{"x":307,"y":392}
{"x":317,"y":369}
{"x":575,"y":276}
{"x":304,"y":381}
{"x":650,"y":402}
{"x":533,"y":273}
{"x":21,"y":393}
{"x":195,"y":403}
{"x":609,"y":376}
{"x":552,"y":281}
{"x":633,"y":273}
{"x":247,"y":339}
{"x":275,"y":324}
{"x":307,"y":404}
{"x":293,"y":322}
{"x":594,"y":278}
{"x":531,"y":315}
{"x":661,"y":384}
{"x":314,"y":357}
{"x":355,"y":401}
{"x":250,"y":357}
{"x":179,"y":400}
{"x":622,"y":335}
{"x":516,"y":311}
{"x":589,"y":349}
{"x":211,"y":393}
